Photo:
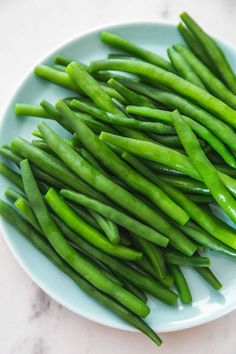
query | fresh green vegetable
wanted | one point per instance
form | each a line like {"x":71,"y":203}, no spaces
{"x":183,"y":68}
{"x":41,"y":244}
{"x":173,"y":82}
{"x":204,"y":167}
{"x":176,"y":258}
{"x":181,"y":284}
{"x":72,"y":220}
{"x":154,"y":255}
{"x":212,"y":225}
{"x":118,"y":42}
{"x":194,"y":44}
{"x":11,"y":175}
{"x":208,"y":275}
{"x":109,"y":228}
{"x":173,"y":101}
{"x":131,"y":96}
{"x":198,"y":128}
{"x":213,"y":84}
{"x":118,"y":217}
{"x":52,"y":166}
{"x":121,"y":169}
{"x":73,"y":258}
{"x":213,"y":51}
{"x":159,"y":128}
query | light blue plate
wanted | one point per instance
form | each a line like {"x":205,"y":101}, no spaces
{"x":207,"y":303}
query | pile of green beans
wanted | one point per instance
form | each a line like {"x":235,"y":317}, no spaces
{"x":119,"y":203}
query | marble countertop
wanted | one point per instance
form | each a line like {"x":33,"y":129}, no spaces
{"x":30,"y":321}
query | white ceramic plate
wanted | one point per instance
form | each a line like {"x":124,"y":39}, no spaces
{"x":207,"y":303}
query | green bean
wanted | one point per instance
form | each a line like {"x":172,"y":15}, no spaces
{"x":75,"y":70}
{"x":12,"y":194}
{"x":113,"y":93}
{"x":57,"y":77}
{"x":26,"y":109}
{"x":92,"y":123}
{"x":153,"y":152}
{"x":92,"y":88}
{"x":145,"y":265}
{"x":41,"y":145}
{"x":213,"y":51}
{"x":121,"y":169}
{"x":168,"y":140}
{"x":48,"y":111}
{"x":212,"y":225}
{"x":130,"y":96}
{"x":183,"y":67}
{"x":24,"y":207}
{"x":99,"y":114}
{"x":74,"y":259}
{"x":105,"y":75}
{"x":186,"y":184}
{"x":204,"y":167}
{"x":61,"y":78}
{"x":213,"y":84}
{"x":87,"y":108}
{"x":89,"y":157}
{"x":62,"y":60}
{"x":200,"y":198}
{"x":14,"y":218}
{"x":37,"y":134}
{"x":229,"y":182}
{"x":174,"y":159}
{"x":87,"y":231}
{"x":208,"y":275}
{"x":53,"y":112}
{"x":114,"y":163}
{"x":84,"y":214}
{"x":100,"y":182}
{"x":7,"y":153}
{"x":41,"y":175}
{"x":109,"y":275}
{"x":59,"y":67}
{"x":109,"y":228}
{"x":130,"y":122}
{"x":121,"y":43}
{"x":121,"y":269}
{"x":160,"y":168}
{"x":173,"y":82}
{"x":199,"y":129}
{"x":133,"y":276}
{"x":119,"y":56}
{"x":206,"y":240}
{"x":224,"y":132}
{"x":172,"y":141}
{"x":154,"y":255}
{"x":176,"y":258}
{"x":137,"y":292}
{"x":181,"y":284}
{"x":194,"y":45}
{"x":11,"y":175}
{"x":117,"y":217}
{"x":52,"y":166}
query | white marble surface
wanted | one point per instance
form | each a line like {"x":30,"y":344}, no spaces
{"x":31,"y":322}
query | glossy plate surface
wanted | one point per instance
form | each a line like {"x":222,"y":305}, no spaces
{"x":207,"y":303}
